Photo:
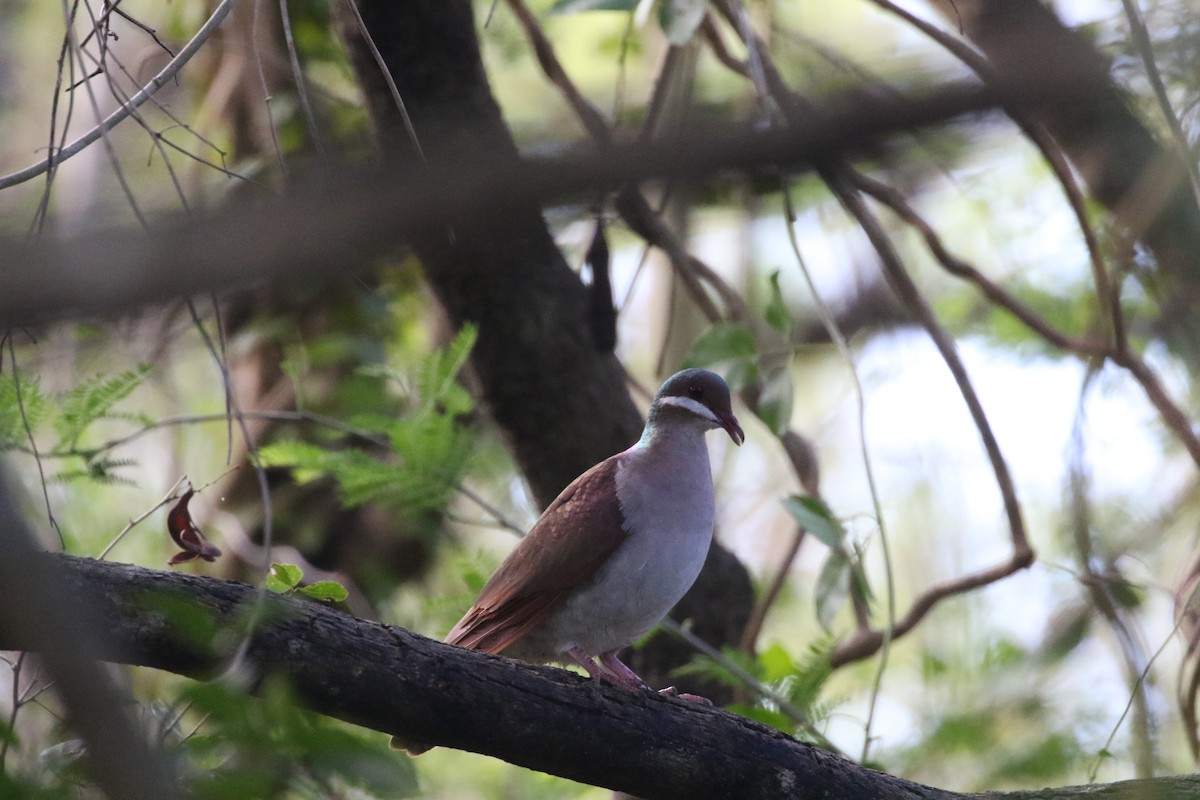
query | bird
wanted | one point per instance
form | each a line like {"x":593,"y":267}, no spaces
{"x":617,"y":549}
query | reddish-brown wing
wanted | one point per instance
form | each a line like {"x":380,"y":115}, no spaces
{"x":568,"y":543}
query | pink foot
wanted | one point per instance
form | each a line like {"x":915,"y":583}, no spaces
{"x":629,"y":679}
{"x":597,"y":672}
{"x":609,"y":670}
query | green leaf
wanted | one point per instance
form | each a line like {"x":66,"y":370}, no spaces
{"x":573,"y":6}
{"x":803,"y":687}
{"x":307,"y":461}
{"x":36,"y":405}
{"x":431,"y":444}
{"x":775,"y":401}
{"x":817,"y":519}
{"x":833,"y":588}
{"x":325,"y":590}
{"x":284,"y":578}
{"x":729,"y":348}
{"x":439,"y":375}
{"x":93,"y":400}
{"x":705,"y":666}
{"x":776,"y":313}
{"x":363,"y":765}
{"x":858,"y":575}
{"x":775,"y":663}
{"x":725,"y":341}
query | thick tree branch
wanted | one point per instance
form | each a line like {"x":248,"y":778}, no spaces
{"x":397,"y":682}
{"x":342,"y":220}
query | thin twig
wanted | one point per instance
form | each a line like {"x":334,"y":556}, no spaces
{"x":255,"y":23}
{"x":1174,"y":417}
{"x":165,"y":76}
{"x":387,"y":77}
{"x":863,"y":642}
{"x":758,"y":616}
{"x":37,"y":457}
{"x":796,"y":715}
{"x":911,"y":296}
{"x":962,"y":269}
{"x":1045,"y":143}
{"x":5,"y":741}
{"x":1097,"y":585}
{"x":118,"y":93}
{"x":298,"y":78}
{"x":847,"y":355}
{"x":168,"y":497}
{"x":64,"y":61}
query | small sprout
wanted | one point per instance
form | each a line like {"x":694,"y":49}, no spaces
{"x":286,"y":578}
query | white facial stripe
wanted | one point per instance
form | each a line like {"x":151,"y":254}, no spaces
{"x":688,"y":404}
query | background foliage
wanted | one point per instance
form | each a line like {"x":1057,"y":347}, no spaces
{"x":382,"y":473}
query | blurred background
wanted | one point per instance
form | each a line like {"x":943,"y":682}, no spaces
{"x":387,"y":474}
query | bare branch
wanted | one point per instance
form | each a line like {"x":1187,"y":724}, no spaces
{"x":165,"y":76}
{"x":957,"y":266}
{"x":838,"y":176}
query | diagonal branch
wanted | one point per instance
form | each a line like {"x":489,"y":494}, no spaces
{"x":958,"y":267}
{"x":165,"y":76}
{"x":397,"y":682}
{"x":342,"y":219}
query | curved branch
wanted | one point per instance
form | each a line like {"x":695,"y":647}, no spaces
{"x":1037,"y":133}
{"x":165,"y":76}
{"x":865,"y":642}
{"x":958,"y":267}
{"x":1022,"y":555}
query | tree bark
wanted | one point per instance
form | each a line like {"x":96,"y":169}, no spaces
{"x":397,"y":682}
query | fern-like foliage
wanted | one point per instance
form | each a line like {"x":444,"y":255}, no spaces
{"x":97,"y":469}
{"x":37,"y":406}
{"x":29,"y":412}
{"x":93,"y":400}
{"x":799,"y":682}
{"x":430,"y":446}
